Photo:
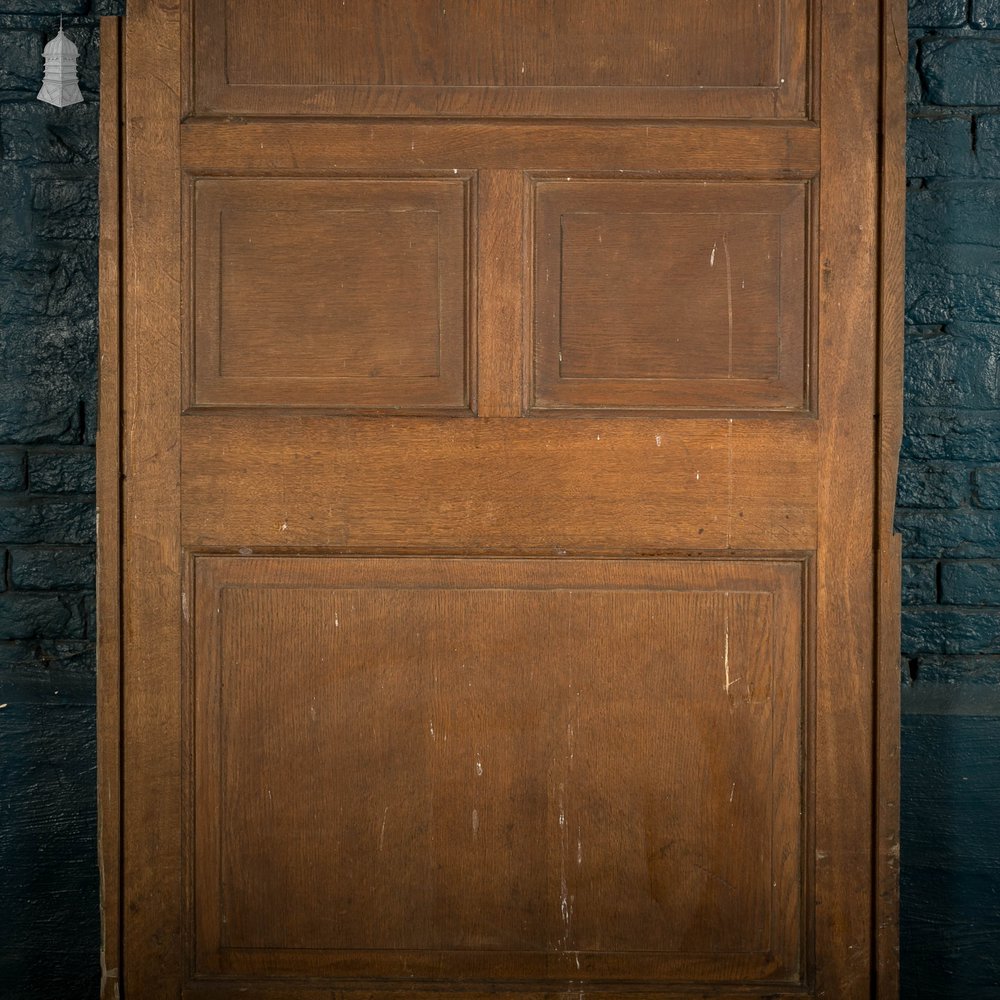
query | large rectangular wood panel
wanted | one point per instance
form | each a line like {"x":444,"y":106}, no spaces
{"x":498,"y":386}
{"x":507,"y":58}
{"x":539,"y":785}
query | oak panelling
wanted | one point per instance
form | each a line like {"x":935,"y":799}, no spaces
{"x":792,"y":489}
{"x":623,"y":485}
{"x":238,"y":988}
{"x":153,"y":813}
{"x":847,"y":471}
{"x":678,"y":149}
{"x":337,"y":761}
{"x":502,"y":58}
{"x":336,"y":293}
{"x":654,"y":294}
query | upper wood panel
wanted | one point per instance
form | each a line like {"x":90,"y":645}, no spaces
{"x":652,"y":294}
{"x":346,"y":293}
{"x":502,"y":58}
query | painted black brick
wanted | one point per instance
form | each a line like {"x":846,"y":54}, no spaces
{"x":35,"y":567}
{"x":13,"y":469}
{"x":986,"y":13}
{"x":949,"y":501}
{"x":62,"y":471}
{"x":49,"y":924}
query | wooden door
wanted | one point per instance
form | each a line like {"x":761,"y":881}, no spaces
{"x":502,"y":432}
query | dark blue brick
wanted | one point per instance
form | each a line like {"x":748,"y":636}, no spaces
{"x":988,"y":145}
{"x":953,"y":212}
{"x":22,"y":65}
{"x":47,"y":671}
{"x":950,"y":630}
{"x":940,"y":147}
{"x":64,"y":471}
{"x":969,"y":534}
{"x":12,"y":469}
{"x":937,"y":13}
{"x":914,"y":85}
{"x":933,"y":485}
{"x":65,"y":208}
{"x":47,"y":522}
{"x":48,"y":616}
{"x":49,"y":7}
{"x":958,"y":366}
{"x":33,"y":132}
{"x":919,"y":582}
{"x":47,"y":373}
{"x":947,"y":433}
{"x":971,"y":583}
{"x":45,"y":568}
{"x":960,"y":671}
{"x":986,"y":13}
{"x":953,"y":282}
{"x":961,"y":71}
{"x":986,"y":487}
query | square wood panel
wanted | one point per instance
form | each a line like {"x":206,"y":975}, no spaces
{"x":573,"y":768}
{"x":347,"y":293}
{"x":470,"y":58}
{"x":652,"y":294}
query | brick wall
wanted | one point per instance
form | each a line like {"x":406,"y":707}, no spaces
{"x":48,"y":340}
{"x":949,"y":506}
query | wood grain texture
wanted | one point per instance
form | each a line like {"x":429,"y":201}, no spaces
{"x":152,"y":812}
{"x":500,"y":321}
{"x":343,"y":294}
{"x":842,"y":730}
{"x":675,"y":149}
{"x":109,"y":514}
{"x":500,"y":491}
{"x":502,"y":58}
{"x":891,"y":323}
{"x":505,"y":807}
{"x":653,"y":294}
{"x":608,"y":484}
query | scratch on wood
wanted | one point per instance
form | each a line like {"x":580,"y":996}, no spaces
{"x":725,"y":650}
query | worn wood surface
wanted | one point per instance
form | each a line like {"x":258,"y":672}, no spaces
{"x":153,"y":810}
{"x":109,"y":514}
{"x":694,"y":593}
{"x":847,"y":274}
{"x":708,"y":60}
{"x":889,"y":583}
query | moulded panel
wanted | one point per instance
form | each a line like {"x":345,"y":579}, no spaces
{"x":652,"y":294}
{"x":476,"y":766}
{"x":344,"y":293}
{"x":507,"y":58}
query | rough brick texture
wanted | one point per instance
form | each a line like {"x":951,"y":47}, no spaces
{"x":949,"y":486}
{"x":949,"y":502}
{"x":49,"y":925}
